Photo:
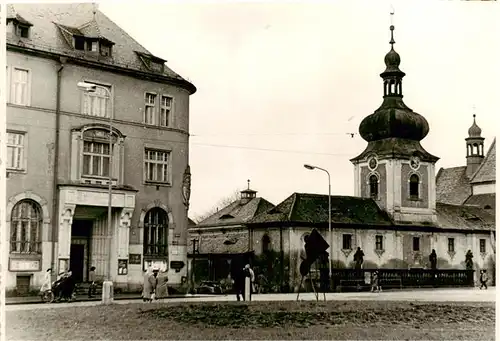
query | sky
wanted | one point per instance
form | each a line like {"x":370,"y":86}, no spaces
{"x":281,"y":84}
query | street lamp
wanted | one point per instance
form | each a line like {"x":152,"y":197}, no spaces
{"x":107,"y":286}
{"x":310,"y":167}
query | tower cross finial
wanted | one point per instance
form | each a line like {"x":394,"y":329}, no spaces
{"x":248,"y":183}
{"x":392,"y":42}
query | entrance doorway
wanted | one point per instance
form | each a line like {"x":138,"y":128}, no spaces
{"x":79,"y":260}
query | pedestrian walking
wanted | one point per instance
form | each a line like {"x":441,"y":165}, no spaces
{"x":238,"y":279}
{"x":483,"y":278}
{"x":250,"y":274}
{"x":147,"y":287}
{"x":47,"y":282}
{"x":92,"y":283}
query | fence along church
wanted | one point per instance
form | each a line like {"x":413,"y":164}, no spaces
{"x":394,"y":216}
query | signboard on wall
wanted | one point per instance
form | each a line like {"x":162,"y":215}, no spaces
{"x":122,"y":266}
{"x":156,"y":264}
{"x":177,"y":265}
{"x":63,"y":265}
{"x":134,"y":258}
{"x":24,"y":265}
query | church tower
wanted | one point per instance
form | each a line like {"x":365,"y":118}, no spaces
{"x":475,"y":148}
{"x":394,"y":169}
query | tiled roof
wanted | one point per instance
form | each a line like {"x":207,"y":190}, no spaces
{"x":313,"y":208}
{"x":76,"y":18}
{"x":482,"y":200}
{"x":452,"y":185}
{"x":486,"y":171}
{"x":237,"y":213}
{"x":191,"y":223}
{"x":464,"y":217}
{"x":232,"y":241}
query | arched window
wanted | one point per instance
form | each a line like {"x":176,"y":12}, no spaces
{"x":414,"y":183}
{"x":26,"y":227}
{"x":155,"y":232}
{"x":373,"y":186}
{"x":266,"y":242}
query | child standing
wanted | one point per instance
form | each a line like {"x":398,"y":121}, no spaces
{"x":375,"y":285}
{"x":483,"y":279}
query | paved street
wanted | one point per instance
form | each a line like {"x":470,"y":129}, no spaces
{"x":419,"y":295}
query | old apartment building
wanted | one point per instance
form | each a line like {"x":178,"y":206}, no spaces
{"x":59,"y":156}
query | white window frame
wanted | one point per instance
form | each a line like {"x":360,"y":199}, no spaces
{"x":166,"y":178}
{"x":148,"y":104}
{"x":26,"y":100}
{"x":22,"y":151}
{"x":452,"y":244}
{"x":92,"y":155}
{"x":90,"y":98}
{"x":161,"y":119}
{"x":377,"y":236}
{"x":350,"y":241}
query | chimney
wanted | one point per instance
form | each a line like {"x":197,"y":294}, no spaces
{"x":247,"y":195}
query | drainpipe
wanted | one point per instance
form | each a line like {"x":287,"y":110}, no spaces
{"x":282,"y":259}
{"x":55,"y":194}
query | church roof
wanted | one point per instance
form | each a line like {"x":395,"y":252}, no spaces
{"x":309,"y":209}
{"x":237,"y":213}
{"x":452,"y":185}
{"x":463,"y":217}
{"x":229,"y":242}
{"x":482,"y":200}
{"x":53,"y":27}
{"x":313,"y":209}
{"x":486,"y":171}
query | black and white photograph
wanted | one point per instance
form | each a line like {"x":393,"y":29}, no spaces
{"x":248,"y":170}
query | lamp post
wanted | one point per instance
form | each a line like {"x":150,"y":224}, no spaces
{"x":310,"y":167}
{"x":107,"y":286}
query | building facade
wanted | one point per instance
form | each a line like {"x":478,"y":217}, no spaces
{"x":65,"y":143}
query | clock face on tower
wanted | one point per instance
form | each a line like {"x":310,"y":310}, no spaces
{"x":372,"y":163}
{"x":414,"y":162}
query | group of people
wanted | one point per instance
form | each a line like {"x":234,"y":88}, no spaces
{"x":152,"y":283}
{"x":62,"y":288}
{"x":238,"y":276}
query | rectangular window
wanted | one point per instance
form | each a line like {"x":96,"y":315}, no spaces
{"x":105,"y":50}
{"x":347,"y":242}
{"x":92,"y":46}
{"x":482,"y":245}
{"x":15,"y":151}
{"x":23,"y":31}
{"x":379,"y":243}
{"x":451,"y":244}
{"x":416,"y":243}
{"x":97,"y":103}
{"x":150,"y":106}
{"x":165,"y":110}
{"x":79,"y":43}
{"x":156,"y":165}
{"x":96,"y":159}
{"x":19,"y":93}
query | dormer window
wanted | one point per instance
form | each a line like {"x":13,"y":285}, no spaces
{"x":92,"y":45}
{"x":156,"y":67}
{"x":79,"y":43}
{"x":23,"y":31}
{"x":105,"y":50}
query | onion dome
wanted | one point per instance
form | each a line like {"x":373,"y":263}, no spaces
{"x":393,"y":119}
{"x":474,"y":130}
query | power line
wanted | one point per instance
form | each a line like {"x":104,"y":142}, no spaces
{"x":213,"y":145}
{"x":271,"y":134}
{"x":271,"y":150}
